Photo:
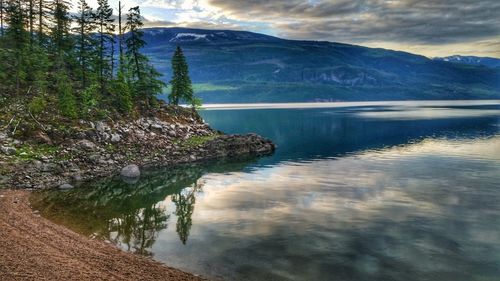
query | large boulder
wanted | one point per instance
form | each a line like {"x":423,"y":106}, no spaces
{"x":131,"y":171}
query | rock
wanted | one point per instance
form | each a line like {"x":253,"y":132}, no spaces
{"x":101,"y":127}
{"x":77,"y":177}
{"x":86,"y":145}
{"x":3,"y":136}
{"x":157,"y":126}
{"x":115,"y":138}
{"x":94,"y":158}
{"x":172,"y":134}
{"x":8,"y":150}
{"x":131,"y":171}
{"x":105,"y":136}
{"x":41,"y":137}
{"x":66,"y":186}
{"x":48,"y":167}
{"x":37,"y":164}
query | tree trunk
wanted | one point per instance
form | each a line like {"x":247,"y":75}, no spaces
{"x":120,"y":35}
{"x":1,"y":17}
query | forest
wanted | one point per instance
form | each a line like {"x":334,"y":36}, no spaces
{"x":86,"y":64}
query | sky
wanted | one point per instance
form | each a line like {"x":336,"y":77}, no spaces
{"x":427,"y":27}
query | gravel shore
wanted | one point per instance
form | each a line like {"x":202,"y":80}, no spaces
{"x":33,"y":248}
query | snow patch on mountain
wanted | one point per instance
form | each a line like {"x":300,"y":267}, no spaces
{"x":188,"y":37}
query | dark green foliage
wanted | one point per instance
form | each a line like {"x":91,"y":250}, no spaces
{"x":182,"y":89}
{"x":142,"y":77}
{"x":62,"y":43}
{"x":121,"y":94}
{"x":85,"y":44}
{"x":105,"y":29}
{"x":37,"y":105}
{"x":51,"y":60}
{"x":66,"y":99}
{"x":89,"y":99}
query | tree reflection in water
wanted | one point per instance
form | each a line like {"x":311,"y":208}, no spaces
{"x":184,"y":207}
{"x":132,"y":214}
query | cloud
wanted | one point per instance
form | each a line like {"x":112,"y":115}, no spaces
{"x":431,"y":27}
{"x":432,"y":22}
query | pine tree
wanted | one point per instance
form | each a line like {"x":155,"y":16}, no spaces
{"x":1,"y":17}
{"x":142,"y":77}
{"x":106,"y":27}
{"x":120,"y":37}
{"x":66,"y":99}
{"x":60,"y":33}
{"x":85,"y":43}
{"x":14,"y":53}
{"x":42,"y":18}
{"x":182,"y":89}
{"x":31,"y":19}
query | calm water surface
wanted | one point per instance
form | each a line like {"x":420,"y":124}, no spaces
{"x":399,"y":191}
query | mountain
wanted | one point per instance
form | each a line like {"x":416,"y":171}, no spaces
{"x":238,"y":66}
{"x":472,"y":60}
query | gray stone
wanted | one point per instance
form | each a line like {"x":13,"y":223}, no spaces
{"x":8,"y":150}
{"x":101,"y":127}
{"x":66,"y":186}
{"x":157,"y":126}
{"x":116,"y":138}
{"x":131,"y":171}
{"x":77,"y":177}
{"x":94,"y":157}
{"x":86,"y":145}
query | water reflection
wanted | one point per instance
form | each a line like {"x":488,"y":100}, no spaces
{"x":347,"y":196}
{"x":303,"y":134}
{"x":132,"y":214}
{"x":184,"y":206}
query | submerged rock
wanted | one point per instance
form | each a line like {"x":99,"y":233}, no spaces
{"x":131,"y":171}
{"x":66,"y":186}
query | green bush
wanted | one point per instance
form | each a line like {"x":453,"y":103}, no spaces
{"x":122,"y":96}
{"x":37,"y":105}
{"x":67,"y":102}
{"x":89,"y":98}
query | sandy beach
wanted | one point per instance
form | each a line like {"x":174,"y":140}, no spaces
{"x":34,"y":248}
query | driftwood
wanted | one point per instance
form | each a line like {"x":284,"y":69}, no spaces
{"x":15,"y":128}
{"x":38,"y":123}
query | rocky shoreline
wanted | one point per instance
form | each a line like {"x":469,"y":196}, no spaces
{"x":67,"y":156}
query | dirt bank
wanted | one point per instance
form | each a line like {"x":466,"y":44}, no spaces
{"x":33,"y":248}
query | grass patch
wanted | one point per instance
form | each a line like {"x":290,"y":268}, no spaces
{"x":28,"y":152}
{"x":196,"y":141}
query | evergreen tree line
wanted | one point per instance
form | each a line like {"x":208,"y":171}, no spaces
{"x":50,"y":57}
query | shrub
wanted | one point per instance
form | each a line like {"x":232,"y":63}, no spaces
{"x":37,"y":105}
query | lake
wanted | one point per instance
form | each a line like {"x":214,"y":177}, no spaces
{"x":355,"y":191}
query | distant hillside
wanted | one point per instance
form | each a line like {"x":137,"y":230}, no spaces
{"x":239,"y":66}
{"x":472,"y":60}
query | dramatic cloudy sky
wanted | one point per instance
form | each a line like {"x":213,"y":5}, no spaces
{"x":428,"y":27}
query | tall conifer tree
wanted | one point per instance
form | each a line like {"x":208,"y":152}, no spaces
{"x":85,"y":25}
{"x":106,"y":27}
{"x":182,"y":89}
{"x":1,"y":16}
{"x":142,"y":76}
